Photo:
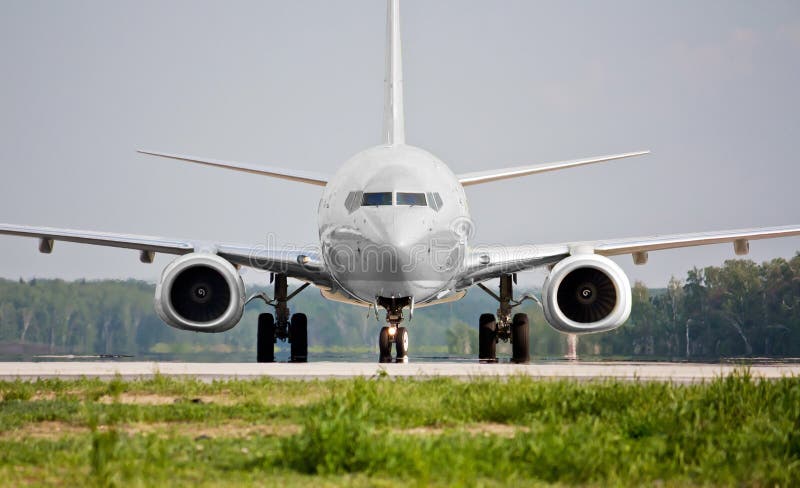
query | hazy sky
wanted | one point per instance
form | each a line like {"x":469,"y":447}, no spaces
{"x":710,"y":87}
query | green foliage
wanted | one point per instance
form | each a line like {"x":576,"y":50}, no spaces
{"x":18,"y":390}
{"x":462,"y":339}
{"x":739,"y":309}
{"x":104,"y":453}
{"x":336,"y":437}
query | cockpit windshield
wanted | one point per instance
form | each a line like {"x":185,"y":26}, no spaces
{"x":356,"y":199}
{"x":374,"y":199}
{"x":411,"y":199}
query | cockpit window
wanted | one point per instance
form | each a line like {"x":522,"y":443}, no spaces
{"x":374,"y":199}
{"x":353,"y":200}
{"x":412,"y":199}
{"x":435,"y":201}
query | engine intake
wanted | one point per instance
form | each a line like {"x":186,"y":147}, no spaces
{"x":200,"y":292}
{"x":586,"y":293}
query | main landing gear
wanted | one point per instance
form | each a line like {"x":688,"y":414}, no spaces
{"x":504,"y":327}
{"x":281,"y":326}
{"x":393,"y":333}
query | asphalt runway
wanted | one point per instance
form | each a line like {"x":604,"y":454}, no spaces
{"x":672,"y":372}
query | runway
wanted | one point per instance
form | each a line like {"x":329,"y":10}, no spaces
{"x":631,"y":371}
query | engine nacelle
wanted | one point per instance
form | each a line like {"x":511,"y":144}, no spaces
{"x":201,"y":292}
{"x":586,"y":293}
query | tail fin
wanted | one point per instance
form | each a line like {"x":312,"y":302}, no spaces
{"x":394,"y":131}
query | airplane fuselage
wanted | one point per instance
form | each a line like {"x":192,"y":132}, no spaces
{"x":394,"y":223}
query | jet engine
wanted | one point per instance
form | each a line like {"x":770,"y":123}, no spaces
{"x":201,"y":292}
{"x":586,"y":293}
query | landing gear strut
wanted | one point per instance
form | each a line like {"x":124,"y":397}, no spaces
{"x":503,"y":327}
{"x":393,"y":333}
{"x":282,"y":326}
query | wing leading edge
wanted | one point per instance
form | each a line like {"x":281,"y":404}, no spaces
{"x":479,"y":177}
{"x":108,"y":239}
{"x":286,"y":174}
{"x":658,"y":243}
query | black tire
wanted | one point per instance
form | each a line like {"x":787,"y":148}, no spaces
{"x":384,"y":346}
{"x":298,"y":338}
{"x":265,"y":341}
{"x":401,"y":342}
{"x":487,"y":338}
{"x":520,"y":336}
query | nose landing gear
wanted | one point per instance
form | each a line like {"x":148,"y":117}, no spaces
{"x":504,"y":327}
{"x":393,"y":333}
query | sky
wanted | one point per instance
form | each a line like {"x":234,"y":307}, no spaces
{"x":711,"y":87}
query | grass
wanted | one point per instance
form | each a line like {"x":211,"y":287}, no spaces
{"x":381,"y":431}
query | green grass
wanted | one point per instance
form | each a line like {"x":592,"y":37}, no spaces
{"x":381,"y":431}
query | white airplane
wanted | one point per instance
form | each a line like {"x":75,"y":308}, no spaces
{"x":394,"y":233}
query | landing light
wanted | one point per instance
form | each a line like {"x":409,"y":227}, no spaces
{"x":392,"y":330}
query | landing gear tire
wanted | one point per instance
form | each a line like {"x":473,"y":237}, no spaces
{"x":384,"y":346}
{"x":265,"y":342}
{"x":401,"y":344}
{"x":298,"y":338}
{"x":520,"y":334}
{"x":487,"y":339}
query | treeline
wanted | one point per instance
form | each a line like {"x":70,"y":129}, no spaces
{"x":102,"y":317}
{"x":739,"y":309}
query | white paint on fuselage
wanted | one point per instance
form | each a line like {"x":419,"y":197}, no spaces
{"x":394,"y":251}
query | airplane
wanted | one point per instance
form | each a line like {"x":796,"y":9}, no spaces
{"x":394,"y":234}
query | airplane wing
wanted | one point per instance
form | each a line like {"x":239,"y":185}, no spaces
{"x":302,"y":264}
{"x":658,"y":243}
{"x":489,"y":262}
{"x":479,"y":177}
{"x":286,"y":174}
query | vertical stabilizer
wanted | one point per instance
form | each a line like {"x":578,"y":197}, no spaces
{"x":394,"y":131}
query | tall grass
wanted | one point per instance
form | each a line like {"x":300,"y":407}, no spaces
{"x":731,"y":431}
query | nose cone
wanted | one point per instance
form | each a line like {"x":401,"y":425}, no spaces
{"x":411,"y":227}
{"x":398,"y":253}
